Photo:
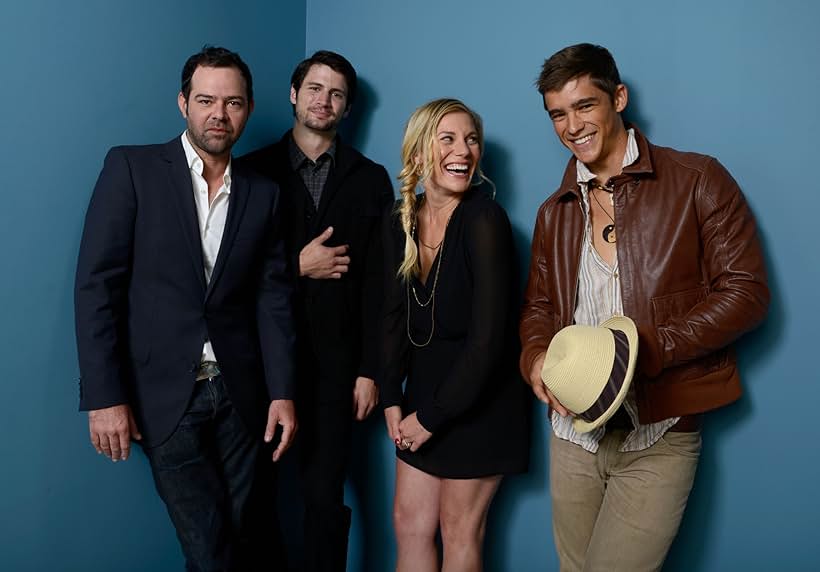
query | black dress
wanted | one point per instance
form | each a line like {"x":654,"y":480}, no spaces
{"x":464,"y":385}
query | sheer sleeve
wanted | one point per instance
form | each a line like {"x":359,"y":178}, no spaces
{"x":394,"y":343}
{"x":373,"y":275}
{"x":489,"y":252}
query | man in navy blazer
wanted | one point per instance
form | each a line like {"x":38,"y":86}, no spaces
{"x":183,"y":315}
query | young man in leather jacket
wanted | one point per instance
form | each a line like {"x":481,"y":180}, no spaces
{"x":663,"y":237}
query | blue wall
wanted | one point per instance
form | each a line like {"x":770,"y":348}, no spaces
{"x":735,"y":79}
{"x":79,"y":77}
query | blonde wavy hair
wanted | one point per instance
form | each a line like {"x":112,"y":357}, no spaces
{"x":418,"y":159}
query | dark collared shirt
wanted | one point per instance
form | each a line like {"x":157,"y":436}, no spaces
{"x":313,"y":173}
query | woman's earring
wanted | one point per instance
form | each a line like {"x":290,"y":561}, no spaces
{"x":481,"y":180}
{"x":478,"y":178}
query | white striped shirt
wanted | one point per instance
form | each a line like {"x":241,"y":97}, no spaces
{"x":599,"y":298}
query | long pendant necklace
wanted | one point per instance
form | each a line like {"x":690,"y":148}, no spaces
{"x":608,"y":233}
{"x":431,"y":300}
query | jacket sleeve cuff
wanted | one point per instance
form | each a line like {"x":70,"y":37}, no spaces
{"x":650,"y":354}
{"x":528,"y":357}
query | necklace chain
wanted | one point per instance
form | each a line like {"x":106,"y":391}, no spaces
{"x":431,"y":300}
{"x":602,"y":207}
{"x":424,"y":244}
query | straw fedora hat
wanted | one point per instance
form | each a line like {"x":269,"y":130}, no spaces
{"x":589,"y":369}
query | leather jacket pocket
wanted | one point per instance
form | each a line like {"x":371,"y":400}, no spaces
{"x":677,"y":305}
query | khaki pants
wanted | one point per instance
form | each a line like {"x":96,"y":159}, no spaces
{"x":614,"y":511}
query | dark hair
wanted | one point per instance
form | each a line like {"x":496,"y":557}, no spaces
{"x":334,"y":61}
{"x":576,"y":61}
{"x":215,"y":57}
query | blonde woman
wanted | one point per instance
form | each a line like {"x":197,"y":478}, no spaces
{"x":450,"y":320}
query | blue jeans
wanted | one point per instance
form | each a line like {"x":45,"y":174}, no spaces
{"x":205,"y":473}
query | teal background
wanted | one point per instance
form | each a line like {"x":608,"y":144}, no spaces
{"x":738,"y":80}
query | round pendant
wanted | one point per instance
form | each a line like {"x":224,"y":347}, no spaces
{"x":609,"y":233}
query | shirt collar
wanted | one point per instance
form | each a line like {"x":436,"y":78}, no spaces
{"x":584,"y":175}
{"x":196,"y":165}
{"x":298,"y":158}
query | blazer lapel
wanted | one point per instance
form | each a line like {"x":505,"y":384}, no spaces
{"x":238,"y":200}
{"x":183,"y":191}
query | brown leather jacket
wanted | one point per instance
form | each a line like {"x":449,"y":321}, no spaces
{"x":691,"y":270}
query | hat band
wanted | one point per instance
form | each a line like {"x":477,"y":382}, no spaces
{"x":615,"y":382}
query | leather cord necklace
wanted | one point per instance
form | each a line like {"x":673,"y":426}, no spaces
{"x":608,"y":233}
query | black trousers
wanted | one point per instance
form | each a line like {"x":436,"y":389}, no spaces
{"x":324,"y":432}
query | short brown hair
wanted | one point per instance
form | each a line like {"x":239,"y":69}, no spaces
{"x":215,"y":57}
{"x":577,"y":61}
{"x":334,"y":61}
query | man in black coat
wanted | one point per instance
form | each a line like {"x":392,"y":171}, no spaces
{"x":333,"y":198}
{"x":183,"y":316}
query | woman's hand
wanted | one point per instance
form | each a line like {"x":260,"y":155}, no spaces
{"x":392,"y":418}
{"x":413,"y":434}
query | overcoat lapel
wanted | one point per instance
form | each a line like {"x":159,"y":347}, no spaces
{"x":182,"y":190}
{"x":299,"y":202}
{"x":338,"y":172}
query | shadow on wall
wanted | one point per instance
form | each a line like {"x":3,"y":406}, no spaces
{"x":355,"y":129}
{"x":371,"y":480}
{"x":632,"y":113}
{"x":496,"y":165}
{"x":514,"y":491}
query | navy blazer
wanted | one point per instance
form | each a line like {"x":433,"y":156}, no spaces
{"x":143,"y":308}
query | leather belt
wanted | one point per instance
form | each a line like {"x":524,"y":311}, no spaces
{"x":208,"y":370}
{"x":688,"y":423}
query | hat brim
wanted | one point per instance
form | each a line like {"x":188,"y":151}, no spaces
{"x":626,"y":326}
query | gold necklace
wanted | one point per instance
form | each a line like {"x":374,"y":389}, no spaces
{"x":431,"y":247}
{"x":431,"y":300}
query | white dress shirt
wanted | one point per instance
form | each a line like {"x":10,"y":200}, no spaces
{"x":211,"y":217}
